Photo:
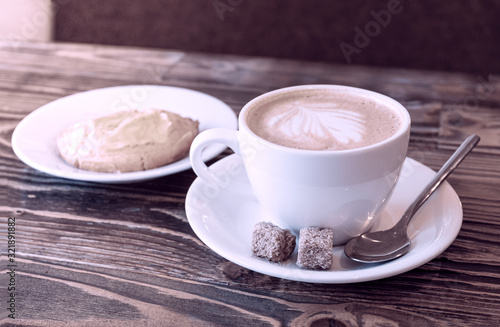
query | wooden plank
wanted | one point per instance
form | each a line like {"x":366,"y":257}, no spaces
{"x":54,"y":70}
{"x":456,"y":124}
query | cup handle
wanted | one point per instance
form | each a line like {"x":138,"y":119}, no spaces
{"x":215,"y":135}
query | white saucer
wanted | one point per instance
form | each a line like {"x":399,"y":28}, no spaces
{"x":223,"y":218}
{"x":34,"y":139}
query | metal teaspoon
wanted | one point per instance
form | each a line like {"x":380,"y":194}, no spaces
{"x":389,"y":244}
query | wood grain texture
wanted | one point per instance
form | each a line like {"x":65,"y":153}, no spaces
{"x":124,"y":255}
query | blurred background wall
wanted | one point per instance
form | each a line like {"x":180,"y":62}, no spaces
{"x":27,"y":20}
{"x":459,"y":36}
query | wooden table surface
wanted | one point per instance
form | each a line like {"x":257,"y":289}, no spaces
{"x":89,"y":254}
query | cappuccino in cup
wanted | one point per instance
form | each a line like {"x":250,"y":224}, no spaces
{"x":315,"y":156}
{"x":323,"y":120}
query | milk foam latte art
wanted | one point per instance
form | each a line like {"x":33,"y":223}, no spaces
{"x":323,"y":120}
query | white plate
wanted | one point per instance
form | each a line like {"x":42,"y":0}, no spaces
{"x":34,"y":139}
{"x":223,"y":218}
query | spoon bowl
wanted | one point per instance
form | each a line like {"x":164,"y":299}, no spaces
{"x":393,"y":243}
{"x":378,"y":246}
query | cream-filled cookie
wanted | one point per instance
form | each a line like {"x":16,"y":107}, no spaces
{"x":127,"y":141}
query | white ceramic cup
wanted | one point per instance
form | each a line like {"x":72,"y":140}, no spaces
{"x":343,"y":190}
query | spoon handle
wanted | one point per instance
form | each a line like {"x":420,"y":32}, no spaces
{"x":440,"y":176}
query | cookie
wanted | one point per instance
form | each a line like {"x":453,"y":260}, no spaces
{"x":127,"y":141}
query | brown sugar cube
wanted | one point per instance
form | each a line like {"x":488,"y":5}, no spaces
{"x":315,"y":248}
{"x":271,"y":242}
